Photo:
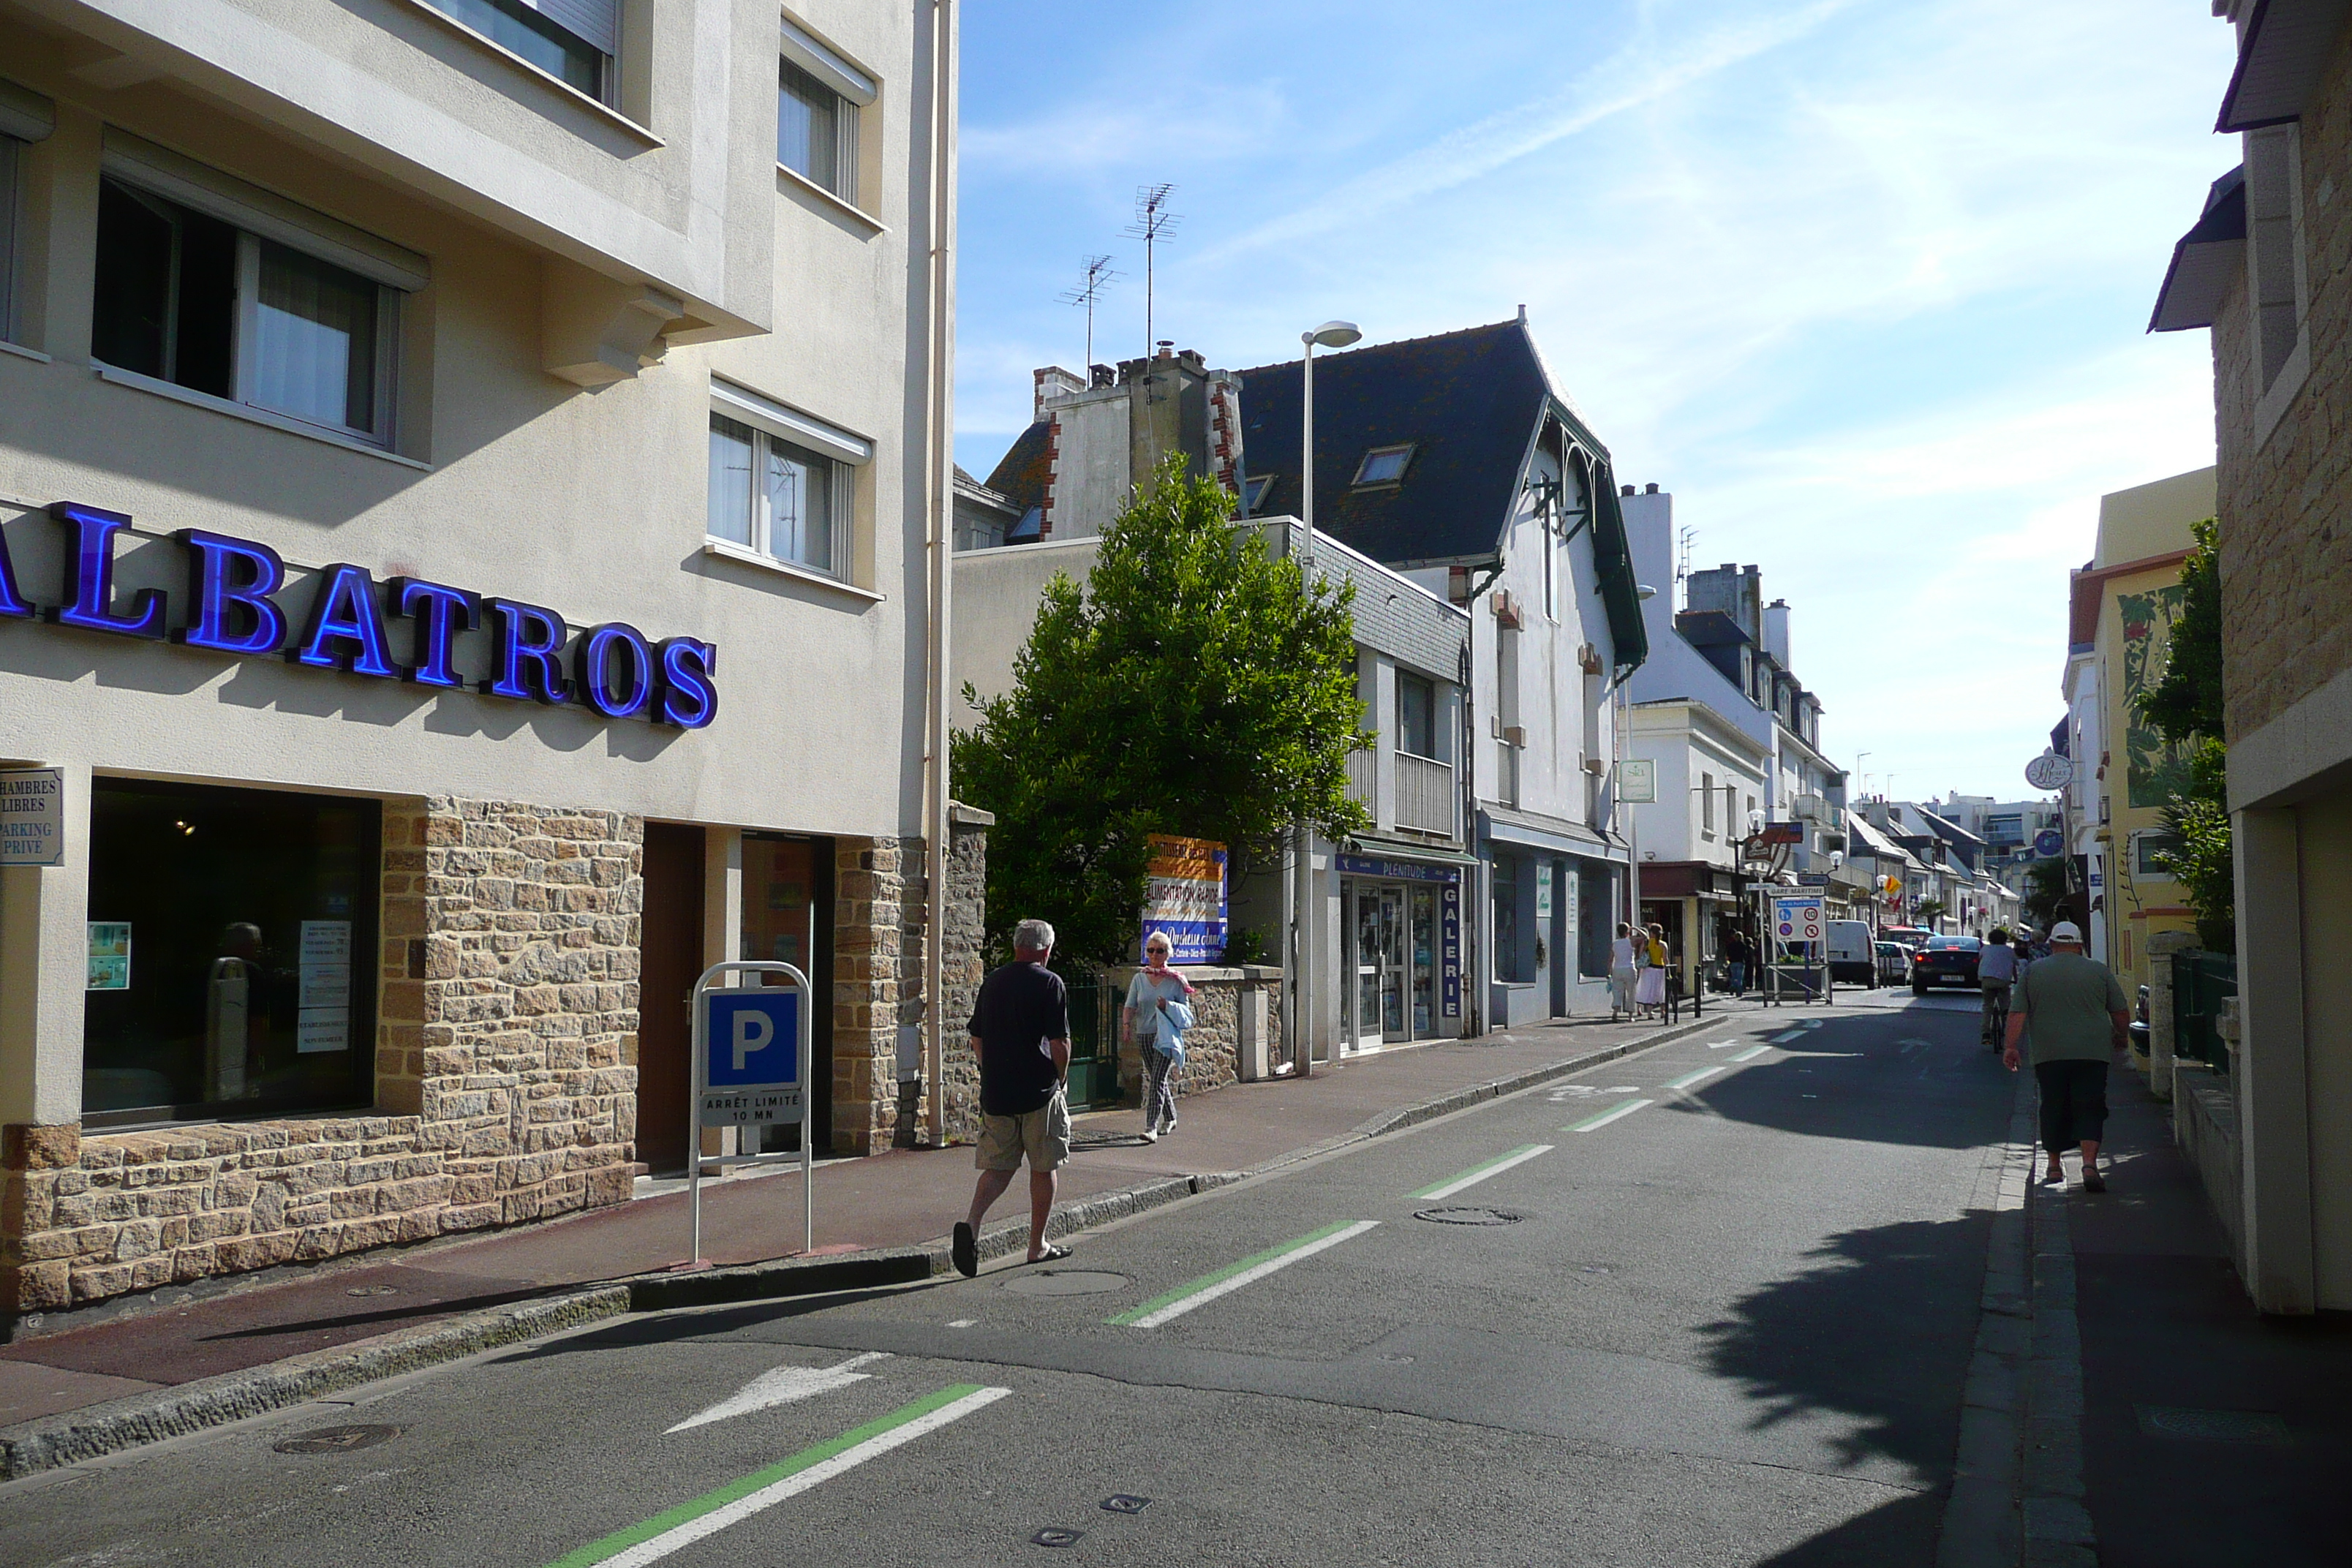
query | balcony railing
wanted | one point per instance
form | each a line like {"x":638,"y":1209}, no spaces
{"x":1363,"y":767}
{"x":1426,"y":800}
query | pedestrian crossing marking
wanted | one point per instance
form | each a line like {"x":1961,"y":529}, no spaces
{"x":1593,"y":1124}
{"x":1478,"y":1173}
{"x":738,"y":1499}
{"x":1232,"y":1276}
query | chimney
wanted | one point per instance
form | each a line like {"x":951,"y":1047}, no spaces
{"x":1649,"y":533}
{"x":1053,"y":382}
{"x":1776,"y":632}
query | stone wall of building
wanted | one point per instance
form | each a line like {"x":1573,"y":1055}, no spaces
{"x":2286,"y":575}
{"x":881,"y":906}
{"x":505,"y":1089}
{"x":966,"y":959}
{"x":1213,"y":1049}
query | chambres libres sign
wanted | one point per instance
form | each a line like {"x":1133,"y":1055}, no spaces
{"x":241,"y":599}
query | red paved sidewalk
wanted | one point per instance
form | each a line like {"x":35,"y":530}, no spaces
{"x":907,"y":1197}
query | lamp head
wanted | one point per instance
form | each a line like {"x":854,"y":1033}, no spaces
{"x":1333,"y":335}
{"x":1644,"y":590}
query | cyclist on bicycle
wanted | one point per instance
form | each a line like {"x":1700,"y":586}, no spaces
{"x":1996,"y":971}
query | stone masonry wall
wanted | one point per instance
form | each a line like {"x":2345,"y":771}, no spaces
{"x":1212,"y":1051}
{"x":507,"y":1030}
{"x":2286,"y":575}
{"x":966,"y":961}
{"x":880,"y":905}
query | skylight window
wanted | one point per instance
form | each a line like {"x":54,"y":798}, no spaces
{"x":1384,"y":465}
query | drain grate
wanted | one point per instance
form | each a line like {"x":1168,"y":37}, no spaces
{"x":1056,"y":1536}
{"x":2212,"y":1426}
{"x":336,"y":1439}
{"x":1470,"y":1215}
{"x":1125,"y":1502}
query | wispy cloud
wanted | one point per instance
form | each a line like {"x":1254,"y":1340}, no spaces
{"x":1643,"y":72}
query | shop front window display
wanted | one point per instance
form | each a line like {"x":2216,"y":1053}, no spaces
{"x":232,"y":947}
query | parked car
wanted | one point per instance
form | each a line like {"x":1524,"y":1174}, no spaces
{"x":1946,"y":961}
{"x":1913,"y":937}
{"x":1894,"y":962}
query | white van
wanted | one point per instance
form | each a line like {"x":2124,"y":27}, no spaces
{"x":1852,"y":954}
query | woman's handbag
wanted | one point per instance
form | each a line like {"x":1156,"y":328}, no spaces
{"x":1169,"y":1024}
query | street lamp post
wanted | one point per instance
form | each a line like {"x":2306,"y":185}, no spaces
{"x":1301,"y":888}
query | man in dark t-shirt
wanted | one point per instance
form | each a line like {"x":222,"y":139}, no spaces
{"x":1021,"y":1033}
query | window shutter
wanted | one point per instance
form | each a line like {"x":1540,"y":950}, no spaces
{"x":596,"y":23}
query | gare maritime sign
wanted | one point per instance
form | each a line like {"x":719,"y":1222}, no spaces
{"x":232,"y":606}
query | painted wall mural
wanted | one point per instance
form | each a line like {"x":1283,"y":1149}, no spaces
{"x":2155,"y":767}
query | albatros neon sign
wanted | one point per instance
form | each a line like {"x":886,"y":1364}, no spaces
{"x":232,"y":607}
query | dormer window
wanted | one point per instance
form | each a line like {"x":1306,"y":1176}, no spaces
{"x":1254,"y":493}
{"x":1383,"y":466}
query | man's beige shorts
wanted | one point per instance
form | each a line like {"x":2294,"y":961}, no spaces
{"x":1042,"y":1134}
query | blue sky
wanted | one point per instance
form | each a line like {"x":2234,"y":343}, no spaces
{"x":1863,"y":282}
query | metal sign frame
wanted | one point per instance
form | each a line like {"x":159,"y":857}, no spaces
{"x":702,"y":1085}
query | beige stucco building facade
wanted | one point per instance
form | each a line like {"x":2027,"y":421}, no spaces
{"x":475,"y":505}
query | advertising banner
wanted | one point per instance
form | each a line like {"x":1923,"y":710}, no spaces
{"x":1187,"y":900}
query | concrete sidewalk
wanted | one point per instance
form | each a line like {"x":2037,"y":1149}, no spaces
{"x":877,"y":1219}
{"x":2209,"y":1433}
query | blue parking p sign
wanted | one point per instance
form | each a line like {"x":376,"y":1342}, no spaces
{"x":751,"y":1056}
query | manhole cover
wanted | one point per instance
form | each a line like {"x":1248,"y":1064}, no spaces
{"x":373,"y":1291}
{"x":336,"y":1439}
{"x":1125,"y":1502}
{"x":2212,"y":1426}
{"x":1056,"y":1537}
{"x":1470,"y":1217}
{"x":1066,"y":1282}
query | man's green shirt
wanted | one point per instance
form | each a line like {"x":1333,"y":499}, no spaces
{"x":2066,"y":999}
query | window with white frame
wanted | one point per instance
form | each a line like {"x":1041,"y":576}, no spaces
{"x":781,"y":483}
{"x":1706,"y":804}
{"x":245,"y":304}
{"x":818,"y":96}
{"x":574,"y":41}
{"x":1254,"y":490}
{"x":1418,"y":732}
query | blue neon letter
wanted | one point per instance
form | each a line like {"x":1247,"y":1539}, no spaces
{"x":345,"y":612}
{"x":529,"y":658}
{"x":440,"y":613}
{"x":689,"y":691}
{"x":89,"y":577}
{"x":592,"y":670}
{"x":214,"y":561}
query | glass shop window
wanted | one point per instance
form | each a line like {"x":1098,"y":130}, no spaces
{"x":232,"y":953}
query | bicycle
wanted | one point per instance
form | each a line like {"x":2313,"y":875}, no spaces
{"x":1996,"y":1014}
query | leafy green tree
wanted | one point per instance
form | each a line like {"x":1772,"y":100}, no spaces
{"x":1195,"y":685}
{"x":1929,"y":911}
{"x":2044,"y":902}
{"x":2185,"y":706}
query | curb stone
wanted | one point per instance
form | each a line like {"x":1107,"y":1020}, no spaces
{"x":139,"y":1419}
{"x":150,"y":1417}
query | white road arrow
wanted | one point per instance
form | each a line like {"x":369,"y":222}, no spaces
{"x":783,"y":1386}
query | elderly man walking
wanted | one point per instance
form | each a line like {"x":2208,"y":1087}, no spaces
{"x":1021,"y":1033}
{"x":2072,"y":1011}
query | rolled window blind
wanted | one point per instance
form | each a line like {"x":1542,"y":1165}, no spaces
{"x":596,"y":23}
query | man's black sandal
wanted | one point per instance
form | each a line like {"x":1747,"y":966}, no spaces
{"x":965,"y":1249}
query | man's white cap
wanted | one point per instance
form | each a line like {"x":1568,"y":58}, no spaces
{"x":2066,"y":930}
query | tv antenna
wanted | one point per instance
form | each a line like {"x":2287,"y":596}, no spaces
{"x":1682,"y":567}
{"x":1099,"y":277}
{"x":1153,"y":223}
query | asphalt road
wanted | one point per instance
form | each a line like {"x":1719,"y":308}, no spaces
{"x":1727,"y":1325}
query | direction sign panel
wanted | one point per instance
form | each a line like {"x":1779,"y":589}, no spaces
{"x":752,"y":1056}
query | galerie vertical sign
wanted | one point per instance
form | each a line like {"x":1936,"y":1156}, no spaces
{"x":32,"y":816}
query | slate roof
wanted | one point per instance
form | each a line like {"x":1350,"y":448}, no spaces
{"x":1019,"y":475}
{"x":1470,"y":403}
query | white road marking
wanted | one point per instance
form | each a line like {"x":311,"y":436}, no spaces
{"x":1593,"y":1124}
{"x":962,"y":1322}
{"x":1475,"y":1177}
{"x":1720,"y":1045}
{"x":785,"y":1386}
{"x":1752,"y":1052}
{"x":693,"y":1529}
{"x":1229,"y":1283}
{"x":1689,"y":1078}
